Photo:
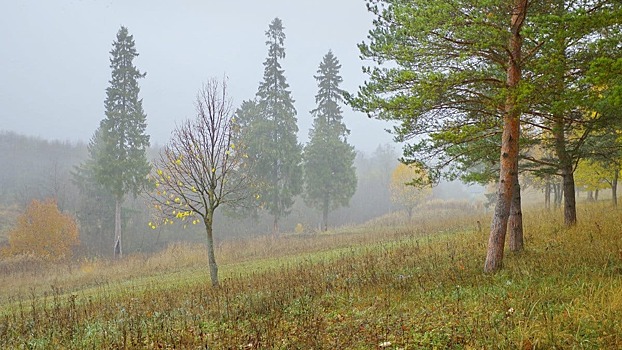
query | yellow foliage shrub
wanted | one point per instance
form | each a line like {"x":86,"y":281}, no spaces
{"x":45,"y":232}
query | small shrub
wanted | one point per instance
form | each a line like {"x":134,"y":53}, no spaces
{"x":45,"y":232}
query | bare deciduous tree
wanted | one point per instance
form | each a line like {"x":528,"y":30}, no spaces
{"x":201,"y":168}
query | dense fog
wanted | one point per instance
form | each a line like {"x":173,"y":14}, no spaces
{"x":55,"y":81}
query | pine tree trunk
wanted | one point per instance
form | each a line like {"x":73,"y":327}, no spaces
{"x":509,"y":144}
{"x":516,"y":220}
{"x":211,"y":256}
{"x":118,"y":245}
{"x":565,"y":161}
{"x":570,"y":207}
{"x":614,"y":187}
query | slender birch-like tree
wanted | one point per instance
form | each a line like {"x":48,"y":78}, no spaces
{"x":201,"y":168}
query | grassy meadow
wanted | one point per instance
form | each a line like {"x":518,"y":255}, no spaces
{"x":383,"y":285}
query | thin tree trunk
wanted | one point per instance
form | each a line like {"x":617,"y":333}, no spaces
{"x":570,"y":206}
{"x":509,"y":144}
{"x":614,"y":187}
{"x":118,"y":246}
{"x":211,"y":256}
{"x":325,"y":216}
{"x":275,"y":227}
{"x":590,"y":196}
{"x":516,"y":220}
{"x":558,"y":195}
{"x":596,"y":195}
{"x":567,"y":170}
{"x":547,"y":195}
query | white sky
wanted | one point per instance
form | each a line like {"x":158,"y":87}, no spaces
{"x":54,"y":55}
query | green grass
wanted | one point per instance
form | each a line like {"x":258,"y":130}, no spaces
{"x":371,"y":288}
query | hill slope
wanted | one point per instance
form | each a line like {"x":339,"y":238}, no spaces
{"x":410,"y":292}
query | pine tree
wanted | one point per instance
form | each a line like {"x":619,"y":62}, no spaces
{"x":330,"y":177}
{"x":120,"y":161}
{"x":271,"y":135}
{"x":440,"y":66}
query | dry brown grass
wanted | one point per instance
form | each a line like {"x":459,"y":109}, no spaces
{"x":390,"y":289}
{"x":22,"y":276}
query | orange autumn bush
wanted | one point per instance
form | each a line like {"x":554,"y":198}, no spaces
{"x":43,"y":231}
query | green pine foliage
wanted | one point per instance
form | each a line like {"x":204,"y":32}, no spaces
{"x":440,"y":74}
{"x":269,"y":127}
{"x":330,"y":177}
{"x":118,"y":159}
{"x":121,"y":163}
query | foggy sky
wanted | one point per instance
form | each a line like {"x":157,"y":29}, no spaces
{"x":55,"y":59}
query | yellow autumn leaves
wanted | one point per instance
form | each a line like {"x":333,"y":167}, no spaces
{"x":44,"y":231}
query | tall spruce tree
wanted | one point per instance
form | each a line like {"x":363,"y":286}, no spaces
{"x":120,"y":162}
{"x":330,"y":177}
{"x":271,"y":137}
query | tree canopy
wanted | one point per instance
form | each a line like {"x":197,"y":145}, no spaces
{"x":330,"y":177}
{"x":269,"y":130}
{"x":409,"y":187}
{"x":201,"y":168}
{"x":119,"y":159}
{"x":44,"y":231}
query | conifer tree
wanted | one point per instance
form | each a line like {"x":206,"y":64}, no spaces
{"x":270,"y":136}
{"x":120,"y":162}
{"x":330,"y":177}
{"x":96,"y":205}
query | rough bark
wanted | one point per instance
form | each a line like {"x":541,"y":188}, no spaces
{"x":570,"y":206}
{"x":211,"y":256}
{"x":509,"y":143}
{"x":516,"y":241}
{"x":567,"y":171}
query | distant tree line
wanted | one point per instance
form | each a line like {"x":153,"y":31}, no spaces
{"x":40,"y":169}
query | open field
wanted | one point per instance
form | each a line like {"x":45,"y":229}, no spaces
{"x":376,"y":286}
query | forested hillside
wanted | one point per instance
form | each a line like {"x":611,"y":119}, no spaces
{"x":35,"y":168}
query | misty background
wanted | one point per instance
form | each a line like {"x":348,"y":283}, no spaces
{"x":55,"y":71}
{"x":55,"y":61}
